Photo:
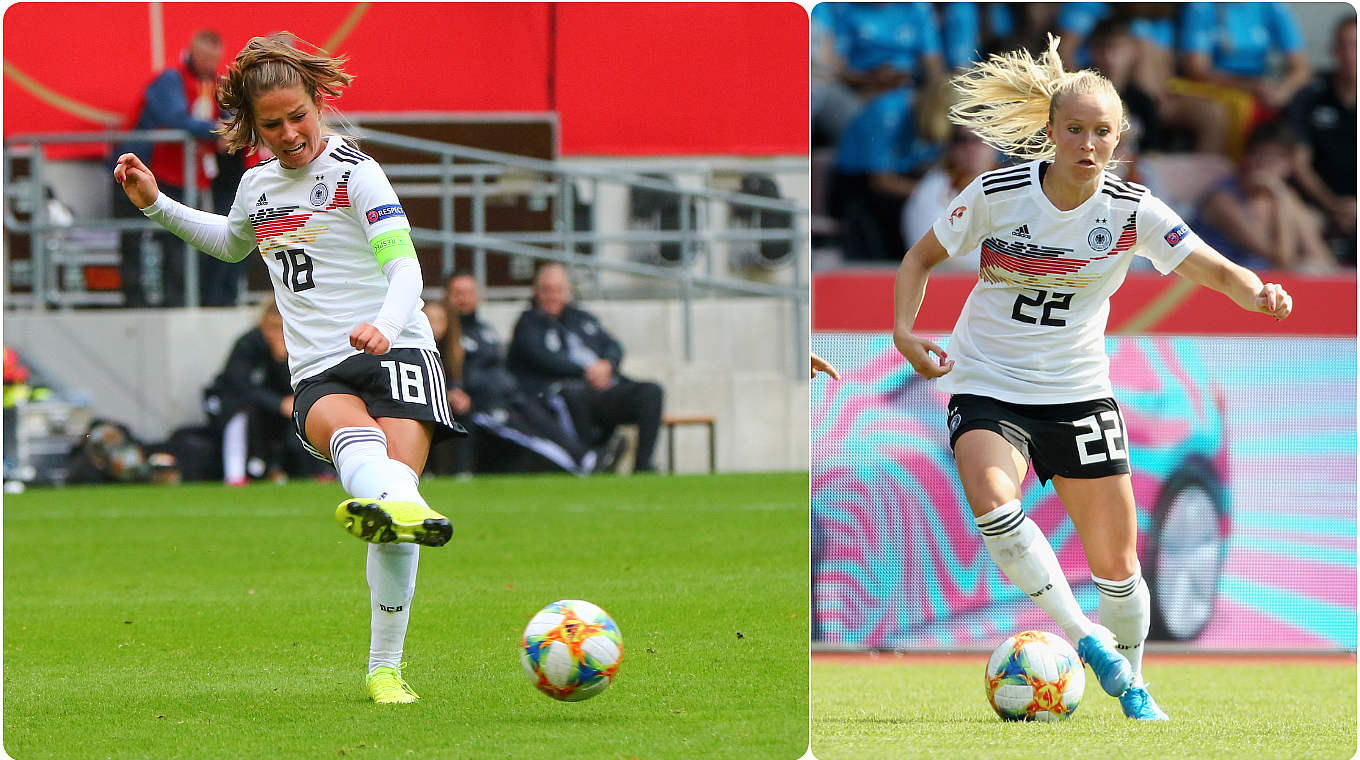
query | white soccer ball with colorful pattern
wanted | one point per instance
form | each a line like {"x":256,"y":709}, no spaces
{"x":1035,"y":676}
{"x":571,"y":650}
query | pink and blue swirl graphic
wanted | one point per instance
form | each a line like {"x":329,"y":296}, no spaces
{"x":1244,"y":472}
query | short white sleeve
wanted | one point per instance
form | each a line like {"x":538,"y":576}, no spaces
{"x":238,"y":216}
{"x":965,"y":222}
{"x":1163,"y":237}
{"x":374,"y":201}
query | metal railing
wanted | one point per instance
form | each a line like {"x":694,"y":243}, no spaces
{"x":481,"y":176}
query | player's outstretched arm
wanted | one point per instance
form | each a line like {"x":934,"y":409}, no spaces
{"x":1207,"y":267}
{"x":205,"y":231}
{"x":908,"y":291}
{"x":137,"y":180}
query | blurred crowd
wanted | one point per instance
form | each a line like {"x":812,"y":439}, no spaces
{"x":1229,"y":122}
{"x":551,"y":399}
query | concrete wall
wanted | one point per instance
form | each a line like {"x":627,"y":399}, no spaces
{"x":147,"y":368}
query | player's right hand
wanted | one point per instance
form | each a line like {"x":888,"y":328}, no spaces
{"x":137,"y":180}
{"x":918,"y":351}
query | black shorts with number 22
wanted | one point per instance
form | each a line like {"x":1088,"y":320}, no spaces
{"x":1085,"y":439}
{"x":405,"y":382}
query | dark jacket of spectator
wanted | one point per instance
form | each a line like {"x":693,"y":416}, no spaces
{"x":252,"y":377}
{"x":485,"y":378}
{"x":544,"y":350}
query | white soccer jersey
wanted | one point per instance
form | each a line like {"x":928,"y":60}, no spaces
{"x":313,"y":226}
{"x":1033,"y":328}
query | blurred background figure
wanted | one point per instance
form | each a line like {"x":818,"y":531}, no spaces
{"x":561,"y":349}
{"x":965,"y":157}
{"x":1255,"y":218}
{"x":511,"y":430}
{"x":179,"y":97}
{"x":1226,"y":52}
{"x":1324,"y":111}
{"x":861,"y":50}
{"x":879,"y":163}
{"x":250,"y":405}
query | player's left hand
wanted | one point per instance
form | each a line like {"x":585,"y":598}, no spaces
{"x":1274,"y":300}
{"x":369,"y":339}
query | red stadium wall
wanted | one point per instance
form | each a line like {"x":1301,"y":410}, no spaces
{"x":625,"y":78}
{"x":1146,"y":304}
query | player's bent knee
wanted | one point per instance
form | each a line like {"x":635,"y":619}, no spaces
{"x":1116,"y":567}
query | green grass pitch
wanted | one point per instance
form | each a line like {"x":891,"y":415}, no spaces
{"x":204,"y":622}
{"x":1257,"y":710}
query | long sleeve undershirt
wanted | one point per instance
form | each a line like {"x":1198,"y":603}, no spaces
{"x":404,"y":286}
{"x":205,"y":231}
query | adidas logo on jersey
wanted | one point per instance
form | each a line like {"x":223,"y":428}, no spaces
{"x":1021,"y":232}
{"x":261,"y":201}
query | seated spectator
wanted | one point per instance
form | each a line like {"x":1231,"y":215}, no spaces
{"x":511,"y":430}
{"x":560,"y":347}
{"x":885,"y":46}
{"x":881,"y":158}
{"x":965,"y":157}
{"x":1113,"y":51}
{"x":1226,"y":56}
{"x":833,"y":104}
{"x":1255,"y":218}
{"x":250,"y":404}
{"x":1324,"y":111}
{"x":969,"y":31}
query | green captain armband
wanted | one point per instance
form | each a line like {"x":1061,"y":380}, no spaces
{"x":394,"y":244}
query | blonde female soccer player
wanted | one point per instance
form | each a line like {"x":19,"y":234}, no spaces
{"x":369,"y":392}
{"x":1027,"y":368}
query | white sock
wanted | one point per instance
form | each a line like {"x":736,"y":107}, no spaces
{"x":366,"y":472}
{"x":1019,"y":548}
{"x":391,"y":584}
{"x":360,"y":456}
{"x":1126,"y":609}
{"x":234,"y":449}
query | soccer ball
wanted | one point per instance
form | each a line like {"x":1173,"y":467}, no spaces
{"x":571,"y":650}
{"x":1035,"y":676}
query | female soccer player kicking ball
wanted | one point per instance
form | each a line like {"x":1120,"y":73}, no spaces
{"x":368,"y":388}
{"x":1027,"y":368}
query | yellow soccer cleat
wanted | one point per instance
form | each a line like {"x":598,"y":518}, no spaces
{"x":387,"y":687}
{"x":383,"y":522}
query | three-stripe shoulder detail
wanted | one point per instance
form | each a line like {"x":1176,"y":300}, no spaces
{"x":1001,"y":180}
{"x":1123,"y":190}
{"x":348,"y":155}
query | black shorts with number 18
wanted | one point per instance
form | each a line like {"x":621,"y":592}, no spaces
{"x":405,"y":382}
{"x":1084,"y":439}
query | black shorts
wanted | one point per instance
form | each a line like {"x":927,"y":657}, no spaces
{"x":405,"y":382}
{"x":1084,"y":439}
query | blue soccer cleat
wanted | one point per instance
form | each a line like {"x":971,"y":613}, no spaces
{"x":1111,"y":667}
{"x":1138,"y":704}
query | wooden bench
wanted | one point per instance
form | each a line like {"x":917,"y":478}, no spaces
{"x":670,"y":422}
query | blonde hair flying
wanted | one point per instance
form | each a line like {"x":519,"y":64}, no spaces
{"x":1009,"y":98}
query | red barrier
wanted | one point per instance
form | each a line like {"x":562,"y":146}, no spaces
{"x":1146,"y":304}
{"x":625,"y":78}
